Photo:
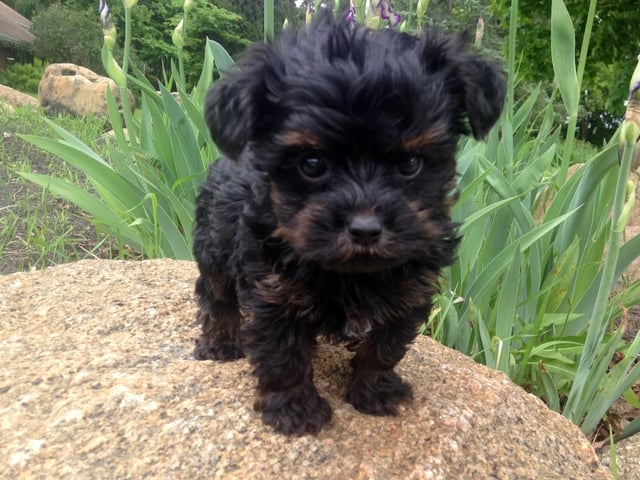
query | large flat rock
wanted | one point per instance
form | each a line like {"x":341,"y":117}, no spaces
{"x":97,"y":381}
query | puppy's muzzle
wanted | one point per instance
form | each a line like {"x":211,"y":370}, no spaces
{"x":365,"y":229}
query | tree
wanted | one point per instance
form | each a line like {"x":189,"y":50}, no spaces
{"x":26,"y":8}
{"x":29,"y":8}
{"x":613,"y":48}
{"x":252,"y":12}
{"x":70,"y":30}
{"x":65,"y":34}
{"x":209,"y":21}
{"x":154,"y":21}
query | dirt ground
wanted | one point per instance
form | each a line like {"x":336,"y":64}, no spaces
{"x":36,"y":229}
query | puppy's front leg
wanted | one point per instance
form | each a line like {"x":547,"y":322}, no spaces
{"x":281,"y":346}
{"x":374,"y":387}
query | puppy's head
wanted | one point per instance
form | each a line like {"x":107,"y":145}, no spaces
{"x":357,"y":131}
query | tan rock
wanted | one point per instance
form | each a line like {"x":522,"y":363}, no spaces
{"x":627,"y":454}
{"x":69,"y":88}
{"x":14,"y":98}
{"x":97,"y":381}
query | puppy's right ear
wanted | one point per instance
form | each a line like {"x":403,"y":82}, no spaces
{"x":236,"y":103}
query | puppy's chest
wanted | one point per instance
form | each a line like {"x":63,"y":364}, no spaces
{"x":348,"y":315}
{"x":347,"y":309}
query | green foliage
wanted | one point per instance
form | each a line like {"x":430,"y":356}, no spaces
{"x":29,"y":8}
{"x":207,"y":21}
{"x":533,"y":291}
{"x":65,"y":34}
{"x":23,"y":77}
{"x":37,"y":230}
{"x":26,"y":8}
{"x":614,"y":44}
{"x":253,"y":19}
{"x":154,"y":20}
{"x":144,"y":188}
{"x":69,"y":31}
{"x":458,"y":17}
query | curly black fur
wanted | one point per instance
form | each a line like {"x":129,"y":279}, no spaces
{"x":329,"y":212}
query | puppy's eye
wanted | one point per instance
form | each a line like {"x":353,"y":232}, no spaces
{"x":410,"y":167}
{"x":312,"y":168}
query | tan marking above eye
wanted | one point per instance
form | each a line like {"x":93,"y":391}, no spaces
{"x":433,"y":135}
{"x":299,"y":138}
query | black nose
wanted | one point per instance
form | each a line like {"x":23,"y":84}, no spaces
{"x":365,"y":229}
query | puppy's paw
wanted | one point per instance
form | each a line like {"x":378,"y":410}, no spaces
{"x":296,"y":411}
{"x":378,"y":393}
{"x":220,"y":349}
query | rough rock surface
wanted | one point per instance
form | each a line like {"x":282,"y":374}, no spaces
{"x":97,"y":381}
{"x":14,"y":98}
{"x":69,"y":88}
{"x":627,"y":458}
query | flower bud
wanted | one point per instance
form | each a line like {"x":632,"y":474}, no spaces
{"x":110,"y":37}
{"x":479,"y":32}
{"x":130,"y":3}
{"x":634,"y":84}
{"x":177,"y":36}
{"x":632,"y":114}
{"x":421,"y":10}
{"x":422,"y":7}
{"x":112,"y":68}
{"x":188,"y":5}
{"x":309,"y":13}
{"x":630,"y":191}
{"x":630,"y":129}
{"x":627,"y":209}
{"x":104,"y":10}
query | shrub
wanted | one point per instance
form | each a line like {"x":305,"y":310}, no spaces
{"x":64,"y":34}
{"x":24,"y":77}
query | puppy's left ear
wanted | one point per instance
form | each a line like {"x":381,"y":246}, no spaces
{"x":476,"y":84}
{"x":236,"y":106}
{"x":484,"y":87}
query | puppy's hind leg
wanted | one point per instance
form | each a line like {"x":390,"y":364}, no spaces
{"x":219,"y":314}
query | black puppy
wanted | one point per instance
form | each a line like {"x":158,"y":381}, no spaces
{"x":329,"y":212}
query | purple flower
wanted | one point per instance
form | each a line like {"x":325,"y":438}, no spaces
{"x":351,"y":16}
{"x":387,"y":13}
